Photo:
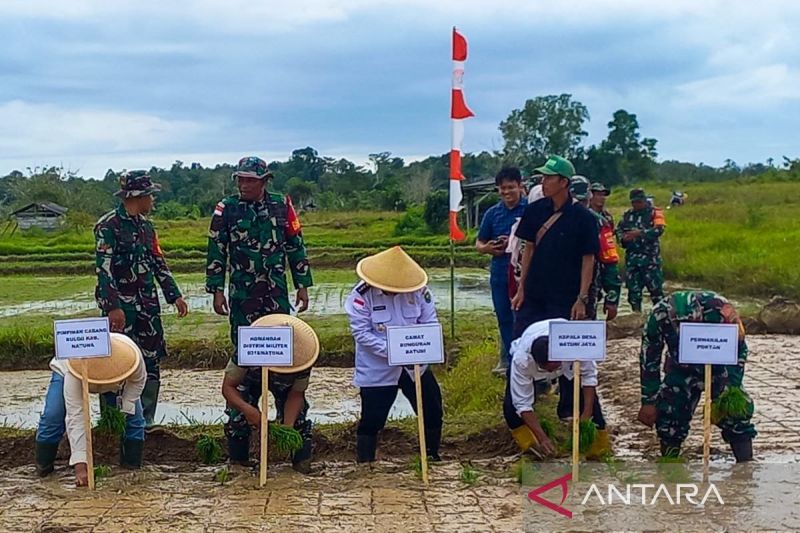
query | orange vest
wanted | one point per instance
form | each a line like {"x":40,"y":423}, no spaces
{"x":608,"y":246}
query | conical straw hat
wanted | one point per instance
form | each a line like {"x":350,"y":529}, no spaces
{"x":304,"y":341}
{"x":392,"y":270}
{"x":123,"y":362}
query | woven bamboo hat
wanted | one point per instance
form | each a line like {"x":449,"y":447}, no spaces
{"x":392,"y":270}
{"x":124,"y":360}
{"x":305,"y":342}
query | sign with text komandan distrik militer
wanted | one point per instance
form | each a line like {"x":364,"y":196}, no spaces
{"x":579,"y":340}
{"x":265,"y":346}
{"x":420,"y":344}
{"x":82,"y":338}
{"x":709,"y":344}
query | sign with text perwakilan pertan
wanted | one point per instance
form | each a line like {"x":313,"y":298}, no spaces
{"x":420,"y":344}
{"x":579,"y":340}
{"x":82,"y":338}
{"x":265,"y":346}
{"x":708,"y":344}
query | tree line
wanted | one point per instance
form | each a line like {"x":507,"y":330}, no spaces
{"x":552,"y":124}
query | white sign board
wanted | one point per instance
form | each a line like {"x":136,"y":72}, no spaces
{"x":708,"y":344}
{"x":82,"y":338}
{"x":420,"y":344}
{"x":583,"y":340}
{"x":265,"y":346}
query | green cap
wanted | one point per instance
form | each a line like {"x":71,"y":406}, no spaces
{"x":557,"y":165}
{"x":638,"y":194}
{"x":600,"y":188}
{"x":579,"y":187}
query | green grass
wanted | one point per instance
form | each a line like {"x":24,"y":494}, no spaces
{"x":102,"y":471}
{"x":469,"y":475}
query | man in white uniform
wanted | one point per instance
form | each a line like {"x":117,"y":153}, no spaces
{"x":123,"y":372}
{"x":530,"y":364}
{"x":393,"y":293}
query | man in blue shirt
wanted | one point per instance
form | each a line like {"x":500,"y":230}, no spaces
{"x":492,"y":240}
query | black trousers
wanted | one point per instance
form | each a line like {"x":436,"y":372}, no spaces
{"x":565,"y":404}
{"x":376,"y":402}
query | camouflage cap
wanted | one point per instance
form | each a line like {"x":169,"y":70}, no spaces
{"x":579,"y":187}
{"x":251,"y":167}
{"x":600,"y":188}
{"x":135,"y":183}
{"x":638,"y":194}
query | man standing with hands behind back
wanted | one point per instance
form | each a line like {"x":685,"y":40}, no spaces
{"x":558,"y":259}
{"x":492,"y":240}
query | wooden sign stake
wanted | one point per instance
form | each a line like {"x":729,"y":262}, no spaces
{"x":423,"y":452}
{"x":707,"y":422}
{"x":264,"y":427}
{"x":576,"y":419}
{"x":87,"y":421}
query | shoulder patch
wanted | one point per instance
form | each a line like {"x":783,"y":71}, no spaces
{"x":219,"y":209}
{"x":427,"y":295}
{"x":362,"y":288}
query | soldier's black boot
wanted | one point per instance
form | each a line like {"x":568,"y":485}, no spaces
{"x":301,"y":460}
{"x":433,"y":437}
{"x":45,"y":458}
{"x":670,"y":449}
{"x":742,"y":449}
{"x":131,"y":453}
{"x":239,"y":450}
{"x":366,"y":446}
{"x":150,"y":402}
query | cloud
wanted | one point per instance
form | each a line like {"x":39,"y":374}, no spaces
{"x":756,"y":87}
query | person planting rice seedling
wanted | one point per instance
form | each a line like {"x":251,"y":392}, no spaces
{"x":669,"y":401}
{"x":392,"y":292}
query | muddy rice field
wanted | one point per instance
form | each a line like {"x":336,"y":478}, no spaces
{"x":482,"y":484}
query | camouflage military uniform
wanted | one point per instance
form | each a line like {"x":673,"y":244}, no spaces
{"x":606,"y":281}
{"x":129,"y":261}
{"x":642,"y":256}
{"x":256,"y":239}
{"x":677,"y":395}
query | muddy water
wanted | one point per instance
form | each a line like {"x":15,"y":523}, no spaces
{"x":342,"y":497}
{"x":472,"y":293}
{"x":192,"y":396}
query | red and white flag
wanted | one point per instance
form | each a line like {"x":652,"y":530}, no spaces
{"x":458,"y":113}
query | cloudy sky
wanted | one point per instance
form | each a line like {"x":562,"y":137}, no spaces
{"x":97,"y":84}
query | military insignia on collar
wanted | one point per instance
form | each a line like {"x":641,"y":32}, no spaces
{"x":427,"y":296}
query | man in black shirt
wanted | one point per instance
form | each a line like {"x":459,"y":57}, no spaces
{"x":560,"y":245}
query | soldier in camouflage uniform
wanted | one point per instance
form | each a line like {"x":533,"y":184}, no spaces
{"x":639,"y":232}
{"x":256,"y":232}
{"x":669,"y":403}
{"x":129,"y":261}
{"x":605,"y":280}
{"x":597,"y":202}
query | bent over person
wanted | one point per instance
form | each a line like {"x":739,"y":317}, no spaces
{"x":256,"y":232}
{"x":123,"y":372}
{"x":393,"y":292}
{"x":129,"y":262}
{"x":669,"y":401}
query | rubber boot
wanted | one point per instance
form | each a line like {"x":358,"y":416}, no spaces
{"x":239,"y":450}
{"x":636,"y":308}
{"x":524,"y":437}
{"x":45,"y":458}
{"x":301,"y":460}
{"x":601,"y":447}
{"x":670,"y":449}
{"x":366,"y":446}
{"x":130,"y":453}
{"x":433,"y":441}
{"x":742,"y":449}
{"x":150,"y":402}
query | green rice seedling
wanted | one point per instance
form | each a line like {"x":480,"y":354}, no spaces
{"x":588,"y":434}
{"x":416,"y":466}
{"x":284,"y":440}
{"x":209,"y":451}
{"x":524,"y":472}
{"x":222,"y":475}
{"x":111,"y":422}
{"x":101,"y":471}
{"x":732,"y":403}
{"x":469,"y":475}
